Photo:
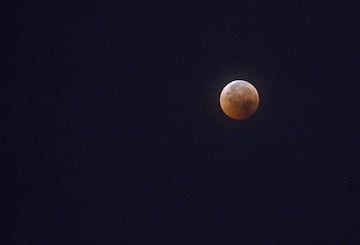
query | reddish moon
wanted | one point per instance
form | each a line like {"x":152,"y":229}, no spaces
{"x":239,"y":100}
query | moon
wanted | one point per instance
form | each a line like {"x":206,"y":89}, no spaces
{"x":239,"y":100}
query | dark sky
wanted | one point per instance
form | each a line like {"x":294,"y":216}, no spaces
{"x":113,"y":132}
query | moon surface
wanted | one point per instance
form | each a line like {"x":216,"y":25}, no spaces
{"x":239,"y":100}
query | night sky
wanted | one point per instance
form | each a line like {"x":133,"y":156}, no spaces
{"x":112,"y":131}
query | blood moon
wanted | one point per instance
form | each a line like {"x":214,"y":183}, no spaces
{"x":239,"y":100}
